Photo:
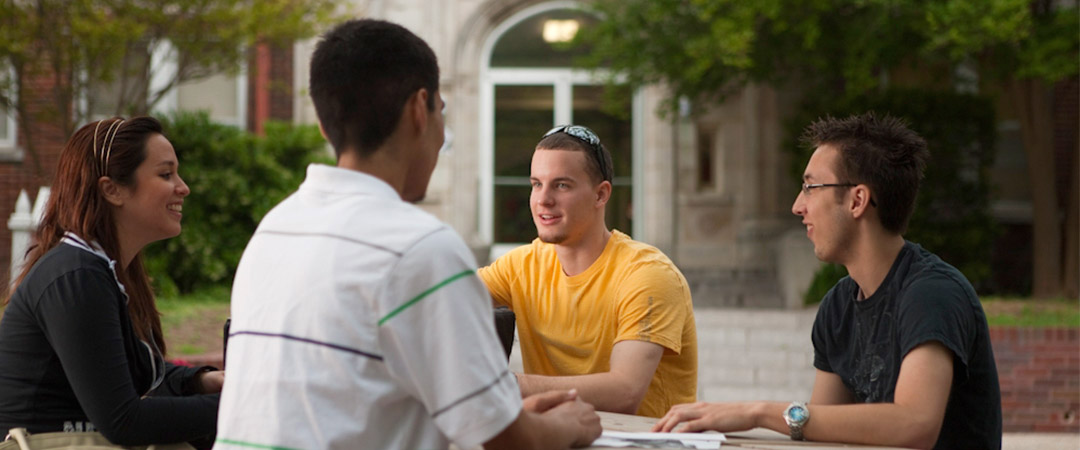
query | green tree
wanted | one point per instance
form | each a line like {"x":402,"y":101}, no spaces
{"x":952,"y":211}
{"x":235,"y":178}
{"x":846,"y":49}
{"x":79,"y":43}
{"x":1021,"y":48}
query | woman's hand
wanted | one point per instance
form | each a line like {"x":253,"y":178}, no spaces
{"x":210,"y":382}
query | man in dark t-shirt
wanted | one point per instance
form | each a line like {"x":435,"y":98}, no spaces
{"x":922,"y":300}
{"x":901,"y":346}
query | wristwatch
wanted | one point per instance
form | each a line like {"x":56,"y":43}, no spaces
{"x":796,"y":415}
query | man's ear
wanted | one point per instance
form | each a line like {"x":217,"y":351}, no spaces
{"x":860,"y":201}
{"x":114,"y":193}
{"x":603,"y":193}
{"x":417,"y":108}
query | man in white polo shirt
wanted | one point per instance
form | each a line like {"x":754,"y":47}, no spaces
{"x":357,"y":319}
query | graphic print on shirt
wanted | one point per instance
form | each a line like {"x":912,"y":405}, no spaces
{"x":874,"y":339}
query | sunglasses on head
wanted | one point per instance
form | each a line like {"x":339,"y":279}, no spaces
{"x":584,"y":134}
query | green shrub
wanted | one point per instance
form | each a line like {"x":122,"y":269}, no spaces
{"x":952,"y":212}
{"x":235,"y":178}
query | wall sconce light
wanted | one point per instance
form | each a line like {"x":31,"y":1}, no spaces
{"x":560,"y":30}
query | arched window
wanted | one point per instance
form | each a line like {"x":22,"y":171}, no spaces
{"x":222,"y":95}
{"x":8,"y":126}
{"x":529,"y":86}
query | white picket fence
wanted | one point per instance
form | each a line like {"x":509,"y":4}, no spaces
{"x":22,"y":224}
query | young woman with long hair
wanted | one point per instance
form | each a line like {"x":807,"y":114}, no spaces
{"x":81,"y":347}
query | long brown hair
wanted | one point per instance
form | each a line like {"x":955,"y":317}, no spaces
{"x":77,"y":204}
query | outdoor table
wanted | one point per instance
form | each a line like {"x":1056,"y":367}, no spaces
{"x":760,"y":438}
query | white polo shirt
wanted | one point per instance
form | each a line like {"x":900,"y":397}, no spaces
{"x":358,"y":321}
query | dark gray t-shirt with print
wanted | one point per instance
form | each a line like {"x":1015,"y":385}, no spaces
{"x":922,"y":299}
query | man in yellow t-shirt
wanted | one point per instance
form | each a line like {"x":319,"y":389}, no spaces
{"x":596,"y":310}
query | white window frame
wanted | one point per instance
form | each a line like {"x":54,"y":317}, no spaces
{"x":563,"y":80}
{"x":9,"y":144}
{"x":163,"y":66}
{"x":165,"y":57}
{"x":83,"y":100}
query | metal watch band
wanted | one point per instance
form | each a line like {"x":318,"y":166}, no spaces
{"x":796,"y":432}
{"x":796,"y":415}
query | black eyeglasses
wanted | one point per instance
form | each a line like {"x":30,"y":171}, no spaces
{"x":806,"y":187}
{"x":587,"y":136}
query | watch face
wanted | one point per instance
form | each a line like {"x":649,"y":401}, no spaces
{"x":797,"y":414}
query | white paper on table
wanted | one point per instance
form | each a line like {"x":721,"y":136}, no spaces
{"x":653,"y":440}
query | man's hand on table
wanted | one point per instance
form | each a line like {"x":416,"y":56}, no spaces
{"x":566,"y":406}
{"x":539,"y":403}
{"x":701,"y":416}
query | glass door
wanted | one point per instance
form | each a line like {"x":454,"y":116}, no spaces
{"x":530,"y":86}
{"x":522,"y":115}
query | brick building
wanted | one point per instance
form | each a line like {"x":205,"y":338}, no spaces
{"x":262,"y":91}
{"x":711,"y":191}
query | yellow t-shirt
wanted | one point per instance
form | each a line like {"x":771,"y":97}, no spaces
{"x":568,"y":325}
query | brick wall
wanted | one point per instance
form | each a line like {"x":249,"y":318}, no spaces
{"x":1039,"y":371}
{"x":281,"y":84}
{"x":270,"y":85}
{"x":48,"y":140}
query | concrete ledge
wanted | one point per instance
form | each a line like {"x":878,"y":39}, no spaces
{"x":1042,"y":441}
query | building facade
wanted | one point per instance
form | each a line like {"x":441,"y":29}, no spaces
{"x":712,"y":190}
{"x":506,"y":81}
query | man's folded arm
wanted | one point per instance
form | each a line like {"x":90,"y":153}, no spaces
{"x":620,"y":389}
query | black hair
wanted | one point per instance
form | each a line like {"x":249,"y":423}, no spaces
{"x":881,"y":152}
{"x":362,"y":73}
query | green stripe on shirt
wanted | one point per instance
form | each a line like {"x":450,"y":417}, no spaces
{"x":424,"y":294}
{"x":252,"y":445}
